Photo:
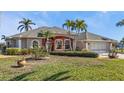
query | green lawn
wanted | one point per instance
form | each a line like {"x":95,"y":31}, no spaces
{"x":63,"y":68}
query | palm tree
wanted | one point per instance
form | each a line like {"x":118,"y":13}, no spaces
{"x":70,"y":25}
{"x":122,"y":43}
{"x":25,"y":24}
{"x":47,"y":34}
{"x":80,"y":25}
{"x":3,"y":37}
{"x":120,"y":23}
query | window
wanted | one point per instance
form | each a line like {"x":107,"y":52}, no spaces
{"x":59,"y":44}
{"x":35,"y":44}
{"x":67,"y":44}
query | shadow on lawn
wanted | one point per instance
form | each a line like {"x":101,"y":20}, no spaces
{"x":16,"y":66}
{"x":20,"y":77}
{"x":58,"y":76}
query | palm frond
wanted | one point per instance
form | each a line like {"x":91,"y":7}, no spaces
{"x":21,"y":22}
{"x":20,"y":27}
{"x":24,"y":19}
{"x":30,"y":27}
{"x":63,"y":25}
{"x":25,"y":24}
{"x":31,"y":23}
{"x":3,"y":37}
{"x":80,"y":25}
{"x":120,"y":23}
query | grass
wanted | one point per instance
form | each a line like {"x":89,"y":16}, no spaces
{"x":59,"y":68}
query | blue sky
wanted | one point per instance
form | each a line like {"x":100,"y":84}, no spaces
{"x":100,"y":22}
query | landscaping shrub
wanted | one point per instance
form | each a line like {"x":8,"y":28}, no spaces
{"x":17,"y":51}
{"x":85,"y":50}
{"x":3,"y":50}
{"x":24,"y":51}
{"x":78,"y":49}
{"x":37,"y":53}
{"x":76,"y":53}
{"x":13,"y":51}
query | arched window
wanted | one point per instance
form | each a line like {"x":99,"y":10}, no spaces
{"x":59,"y":44}
{"x":35,"y":44}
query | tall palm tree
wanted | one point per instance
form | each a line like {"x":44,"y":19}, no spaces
{"x":47,"y":34}
{"x":122,"y":41}
{"x":3,"y":37}
{"x":120,"y":23}
{"x":70,"y":25}
{"x":80,"y":25}
{"x":25,"y":24}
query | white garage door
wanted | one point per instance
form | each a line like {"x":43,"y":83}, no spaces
{"x":98,"y":46}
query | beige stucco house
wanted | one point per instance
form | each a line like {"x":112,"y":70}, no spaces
{"x":61,"y":40}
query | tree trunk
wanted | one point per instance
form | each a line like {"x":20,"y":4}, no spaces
{"x":47,"y":45}
{"x":69,"y":38}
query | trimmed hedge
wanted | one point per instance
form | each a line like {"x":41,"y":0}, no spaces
{"x":17,"y":51}
{"x":76,"y":54}
{"x":25,"y":51}
{"x":13,"y":51}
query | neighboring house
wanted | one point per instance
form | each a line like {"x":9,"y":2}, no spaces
{"x":61,"y":40}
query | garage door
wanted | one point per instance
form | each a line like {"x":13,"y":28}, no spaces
{"x":98,"y":46}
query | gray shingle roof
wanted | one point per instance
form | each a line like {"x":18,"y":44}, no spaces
{"x":56,"y":30}
{"x":33,"y":33}
{"x":92,"y":36}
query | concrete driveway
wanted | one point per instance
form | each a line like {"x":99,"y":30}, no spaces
{"x":105,"y":55}
{"x":121,"y":56}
